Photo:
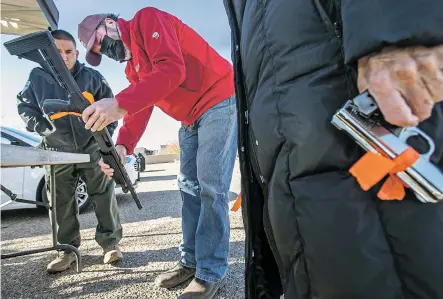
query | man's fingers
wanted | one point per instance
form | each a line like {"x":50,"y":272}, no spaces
{"x":362,"y":81}
{"x":395,"y":109}
{"x":121,"y":151}
{"x":405,"y":82}
{"x":122,"y":157}
{"x":105,"y":168}
{"x":100,"y":121}
{"x":431,"y":74}
{"x":439,"y":53}
{"x":101,"y":163}
{"x":408,"y":81}
{"x":391,"y":103}
{"x":103,"y":125}
{"x":108,"y":171}
{"x":87,"y":113}
{"x":418,"y":99}
{"x":91,"y":121}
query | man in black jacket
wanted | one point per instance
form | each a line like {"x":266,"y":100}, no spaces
{"x":311,"y":232}
{"x":70,"y":135}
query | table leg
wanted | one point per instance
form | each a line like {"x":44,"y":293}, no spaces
{"x":55,"y":245}
{"x":53,"y":199}
{"x":78,"y":257}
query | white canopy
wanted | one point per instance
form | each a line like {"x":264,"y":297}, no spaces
{"x":19,"y":17}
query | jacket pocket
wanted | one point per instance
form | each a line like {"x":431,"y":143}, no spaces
{"x":194,"y":73}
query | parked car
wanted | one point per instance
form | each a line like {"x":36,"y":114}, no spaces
{"x":28,"y":182}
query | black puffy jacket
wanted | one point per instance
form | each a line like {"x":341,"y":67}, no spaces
{"x":311,"y":232}
{"x":70,"y":134}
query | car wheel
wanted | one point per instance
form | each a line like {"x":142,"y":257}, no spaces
{"x":142,"y":162}
{"x":81,"y":194}
{"x":42,"y":196}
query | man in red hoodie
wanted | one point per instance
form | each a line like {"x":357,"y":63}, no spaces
{"x":173,"y":68}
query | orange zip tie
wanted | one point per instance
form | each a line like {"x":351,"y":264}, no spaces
{"x":237,"y":203}
{"x":89,"y":97}
{"x":63,"y":114}
{"x":372,"y":168}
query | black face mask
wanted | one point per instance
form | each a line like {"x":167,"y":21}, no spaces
{"x":113,"y":48}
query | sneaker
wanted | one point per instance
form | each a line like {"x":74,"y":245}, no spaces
{"x":111,"y":254}
{"x":174,"y":277}
{"x":200,"y":289}
{"x":62,"y":262}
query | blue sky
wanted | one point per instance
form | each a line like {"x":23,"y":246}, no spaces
{"x":207,"y":17}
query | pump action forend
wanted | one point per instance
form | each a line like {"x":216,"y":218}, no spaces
{"x":39,"y":47}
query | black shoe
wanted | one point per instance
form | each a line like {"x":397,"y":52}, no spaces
{"x":200,"y":289}
{"x":175,"y":276}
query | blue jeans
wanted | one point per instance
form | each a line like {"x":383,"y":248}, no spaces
{"x":207,"y":155}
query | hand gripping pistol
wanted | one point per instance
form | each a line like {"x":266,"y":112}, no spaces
{"x":363,"y":121}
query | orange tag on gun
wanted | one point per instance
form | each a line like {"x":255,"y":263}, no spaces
{"x":372,"y":168}
{"x":237,"y":203}
{"x":88,"y":96}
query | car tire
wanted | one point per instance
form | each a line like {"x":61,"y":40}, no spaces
{"x":142,"y":162}
{"x":42,"y":196}
{"x":81,"y":194}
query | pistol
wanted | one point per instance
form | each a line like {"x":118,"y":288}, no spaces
{"x":363,"y":121}
{"x":40,"y":47}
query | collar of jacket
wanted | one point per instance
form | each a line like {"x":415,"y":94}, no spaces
{"x":124,"y":28}
{"x":78,"y":67}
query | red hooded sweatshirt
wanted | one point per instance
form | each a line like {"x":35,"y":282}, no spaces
{"x":173,"y":68}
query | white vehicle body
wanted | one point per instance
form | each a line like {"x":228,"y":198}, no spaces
{"x":28,"y":182}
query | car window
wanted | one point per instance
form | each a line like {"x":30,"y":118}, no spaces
{"x":27,"y":135}
{"x":14,"y":141}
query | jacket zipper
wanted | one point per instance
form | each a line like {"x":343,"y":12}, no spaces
{"x":243,"y":142}
{"x":253,"y":168}
{"x":253,"y":143}
{"x":337,"y":29}
{"x":338,"y":33}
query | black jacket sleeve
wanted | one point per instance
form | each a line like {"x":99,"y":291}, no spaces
{"x":30,"y":112}
{"x":370,"y":25}
{"x":105,"y":91}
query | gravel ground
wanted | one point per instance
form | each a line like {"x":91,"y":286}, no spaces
{"x":150,"y":243}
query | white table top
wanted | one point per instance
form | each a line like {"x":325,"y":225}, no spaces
{"x":19,"y":156}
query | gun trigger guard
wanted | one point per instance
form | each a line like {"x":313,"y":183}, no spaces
{"x":414,"y":131}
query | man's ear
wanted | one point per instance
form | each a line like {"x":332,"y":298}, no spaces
{"x":76,"y":53}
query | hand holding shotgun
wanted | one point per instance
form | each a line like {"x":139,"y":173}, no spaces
{"x":113,"y":158}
